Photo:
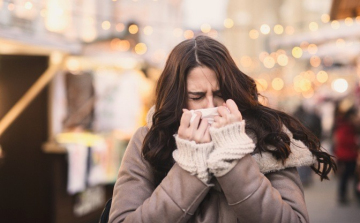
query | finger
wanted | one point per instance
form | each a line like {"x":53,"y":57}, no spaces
{"x":223,"y":111}
{"x":207,"y":136}
{"x":231,"y":105}
{"x":218,"y":122}
{"x":185,"y":118}
{"x":199,"y":134}
{"x":195,"y":123}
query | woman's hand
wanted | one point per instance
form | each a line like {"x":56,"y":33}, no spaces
{"x":193,"y":131}
{"x":228,"y":114}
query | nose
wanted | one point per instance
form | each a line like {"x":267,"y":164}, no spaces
{"x":210,"y":102}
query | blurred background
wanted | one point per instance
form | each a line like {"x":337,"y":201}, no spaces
{"x":77,"y":79}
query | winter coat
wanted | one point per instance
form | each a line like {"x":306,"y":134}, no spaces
{"x":258,"y":189}
{"x":346,"y":147}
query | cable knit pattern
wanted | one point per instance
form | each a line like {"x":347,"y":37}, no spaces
{"x":192,"y":157}
{"x":231,"y":143}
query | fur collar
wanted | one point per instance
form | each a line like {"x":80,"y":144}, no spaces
{"x":300,"y":155}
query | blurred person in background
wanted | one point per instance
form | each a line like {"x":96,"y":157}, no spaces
{"x":240,"y":168}
{"x":346,"y":146}
{"x":306,"y":113}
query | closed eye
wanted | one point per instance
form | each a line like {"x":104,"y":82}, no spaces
{"x":196,"y":98}
{"x":196,"y":95}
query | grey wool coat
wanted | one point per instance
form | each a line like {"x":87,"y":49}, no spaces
{"x":258,"y":189}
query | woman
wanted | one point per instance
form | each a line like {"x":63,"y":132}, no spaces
{"x":241,"y":168}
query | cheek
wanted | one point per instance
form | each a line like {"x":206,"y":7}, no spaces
{"x":218,"y":102}
{"x":193,"y":105}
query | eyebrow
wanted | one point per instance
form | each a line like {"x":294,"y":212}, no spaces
{"x":201,"y":93}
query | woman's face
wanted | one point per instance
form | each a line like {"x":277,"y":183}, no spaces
{"x":203,"y":89}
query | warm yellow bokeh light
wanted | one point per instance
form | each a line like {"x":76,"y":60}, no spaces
{"x":289,"y":30}
{"x":313,"y":26}
{"x":312,"y":49}
{"x":106,"y":25}
{"x":124,"y":45}
{"x":115,"y":44}
{"x":297,"y":52}
{"x":188,"y":34}
{"x":315,"y":61}
{"x":339,"y":85}
{"x":269,"y":62}
{"x":120,"y":27}
{"x":278,"y":29}
{"x":349,"y":21}
{"x":205,"y":28}
{"x":177,"y":32}
{"x":310,"y":75}
{"x":133,"y":29}
{"x":358,"y":19}
{"x":254,"y":34}
{"x":261,"y":84}
{"x":72,"y":64}
{"x":277,"y":83}
{"x":265,"y":29}
{"x":282,"y":60}
{"x":246,"y":61}
{"x":228,"y":23}
{"x":335,"y":24}
{"x":305,"y":84}
{"x":148,"y":30}
{"x":322,"y":76}
{"x":140,"y":48}
{"x":325,"y":18}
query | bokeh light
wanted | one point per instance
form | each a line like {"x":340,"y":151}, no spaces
{"x":133,"y":29}
{"x":265,"y":29}
{"x":228,"y":23}
{"x":313,"y":26}
{"x":322,"y":76}
{"x":188,"y":34}
{"x":205,"y":28}
{"x":335,"y":24}
{"x":140,"y":48}
{"x":254,"y":34}
{"x":282,"y":60}
{"x":277,"y":84}
{"x":148,"y":30}
{"x":106,"y":25}
{"x":339,"y":85}
{"x":325,"y":18}
{"x":278,"y":29}
{"x":297,"y":52}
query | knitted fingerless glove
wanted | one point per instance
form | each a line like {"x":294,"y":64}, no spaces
{"x":192,"y":157}
{"x":231,"y":143}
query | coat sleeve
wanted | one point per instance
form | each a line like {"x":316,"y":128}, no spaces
{"x":136,"y":199}
{"x":276,"y":197}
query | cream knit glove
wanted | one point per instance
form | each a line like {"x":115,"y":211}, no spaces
{"x":231,"y":143}
{"x":192,"y":157}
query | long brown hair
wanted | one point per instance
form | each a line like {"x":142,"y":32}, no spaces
{"x":264,"y":122}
